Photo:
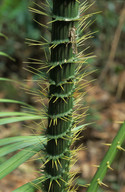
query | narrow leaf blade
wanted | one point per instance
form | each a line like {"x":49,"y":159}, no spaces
{"x":6,"y":55}
{"x":19,"y":145}
{"x":4,"y":121}
{"x":21,"y":157}
{"x":29,"y":187}
{"x":12,"y":101}
{"x":3,"y":114}
{"x":10,"y":140}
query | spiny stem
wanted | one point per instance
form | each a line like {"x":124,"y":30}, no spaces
{"x":63,"y":48}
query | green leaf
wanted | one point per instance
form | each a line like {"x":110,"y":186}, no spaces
{"x":78,"y":128}
{"x":29,"y":187}
{"x":12,"y":101}
{"x":19,"y":145}
{"x":5,"y":79}
{"x":2,"y":35}
{"x":6,"y":55}
{"x":21,"y":157}
{"x":4,"y":121}
{"x":26,"y":188}
{"x":10,"y":140}
{"x":10,"y":80}
{"x":3,"y":114}
{"x":18,"y":102}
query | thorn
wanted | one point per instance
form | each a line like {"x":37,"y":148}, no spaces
{"x":78,"y":1}
{"x":86,"y":185}
{"x":50,"y":185}
{"x":66,"y":118}
{"x":60,"y":66}
{"x":119,"y":122}
{"x":44,"y":163}
{"x":53,"y":121}
{"x":50,"y":122}
{"x":63,"y":180}
{"x":59,"y":163}
{"x":101,"y":183}
{"x":50,"y":98}
{"x":108,"y":166}
{"x":56,"y":141}
{"x":56,"y":165}
{"x":62,"y":118}
{"x":50,"y":69}
{"x":58,"y":183}
{"x":55,"y":100}
{"x":64,"y":100}
{"x":45,"y":26}
{"x":62,"y":87}
{"x":120,"y":148}
{"x":107,"y":144}
{"x":96,"y":166}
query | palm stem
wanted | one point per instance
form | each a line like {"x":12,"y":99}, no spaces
{"x":62,"y":75}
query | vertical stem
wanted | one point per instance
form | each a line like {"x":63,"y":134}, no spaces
{"x":62,"y":75}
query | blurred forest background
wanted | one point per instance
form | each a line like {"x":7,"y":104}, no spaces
{"x":105,"y":95}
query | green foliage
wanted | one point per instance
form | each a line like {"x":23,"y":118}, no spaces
{"x":16,"y":160}
{"x":6,"y":55}
{"x":16,"y":22}
{"x":16,"y":11}
{"x":1,"y":52}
